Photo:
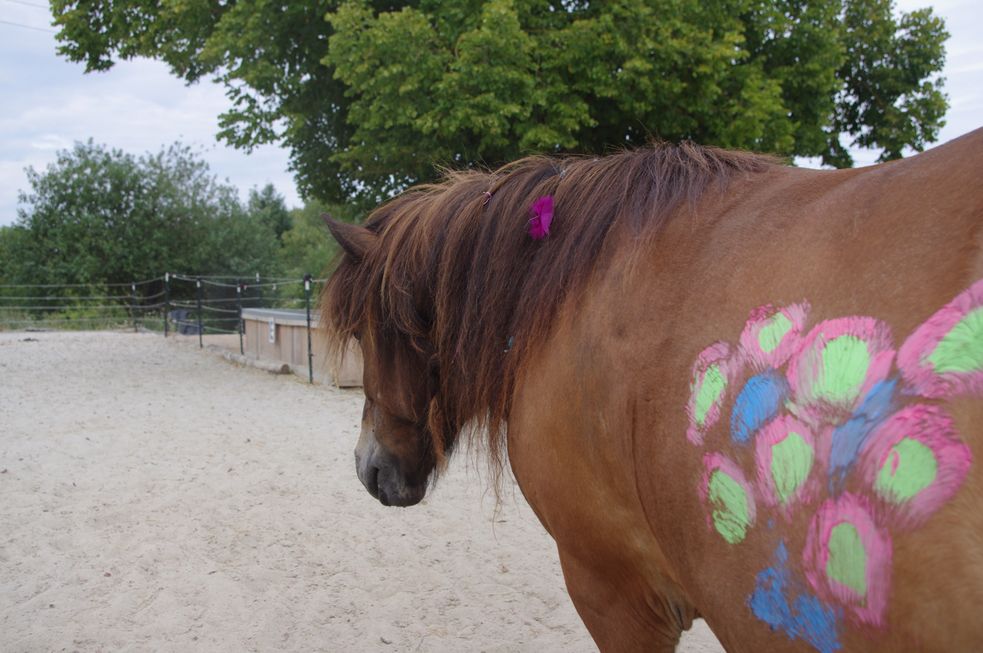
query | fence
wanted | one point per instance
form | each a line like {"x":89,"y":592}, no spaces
{"x":173,"y":303}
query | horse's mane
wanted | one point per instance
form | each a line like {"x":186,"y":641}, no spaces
{"x":460,"y":281}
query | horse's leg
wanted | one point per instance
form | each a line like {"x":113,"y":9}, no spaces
{"x":570,"y":446}
{"x":614,"y":571}
{"x":619,"y":612}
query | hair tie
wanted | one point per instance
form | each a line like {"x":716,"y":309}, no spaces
{"x":541,"y":213}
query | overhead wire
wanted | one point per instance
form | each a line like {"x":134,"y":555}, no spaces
{"x":22,"y":25}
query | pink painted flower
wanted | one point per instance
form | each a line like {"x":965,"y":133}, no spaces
{"x":772,"y":335}
{"x":542,"y":216}
{"x":727,"y":493}
{"x":914,"y":463}
{"x":848,"y":558}
{"x":785,"y":455}
{"x":837,"y":364}
{"x":944,"y":356}
{"x":712,"y":375}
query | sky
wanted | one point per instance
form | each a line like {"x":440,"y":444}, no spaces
{"x":48,"y":103}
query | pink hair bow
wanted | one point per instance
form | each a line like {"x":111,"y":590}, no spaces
{"x":542,"y":215}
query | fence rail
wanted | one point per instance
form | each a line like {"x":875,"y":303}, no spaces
{"x":189,"y":304}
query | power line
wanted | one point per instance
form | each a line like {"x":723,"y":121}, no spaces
{"x":38,"y":29}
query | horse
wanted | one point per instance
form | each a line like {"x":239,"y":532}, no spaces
{"x":727,"y":387}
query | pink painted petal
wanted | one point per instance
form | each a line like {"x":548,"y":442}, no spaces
{"x":787,"y":462}
{"x":772,"y":335}
{"x":828,"y":377}
{"x":851,"y":566}
{"x":728,"y":497}
{"x":944,"y":356}
{"x":713,"y":374}
{"x":914,"y":463}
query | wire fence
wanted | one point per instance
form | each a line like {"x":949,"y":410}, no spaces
{"x":174,"y":303}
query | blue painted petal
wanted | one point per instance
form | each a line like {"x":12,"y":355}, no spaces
{"x":759,"y":400}
{"x":805,"y":618}
{"x":816,"y":623}
{"x":849,"y":437}
{"x":768,"y":602}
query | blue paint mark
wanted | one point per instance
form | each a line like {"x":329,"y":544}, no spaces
{"x":816,"y":623}
{"x":768,"y":602}
{"x":849,"y":437}
{"x":758,"y":402}
{"x":805,"y":618}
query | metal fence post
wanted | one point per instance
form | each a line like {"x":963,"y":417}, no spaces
{"x":239,"y":306}
{"x":200,"y":327}
{"x":167,"y":300}
{"x":310,"y":352}
{"x":133,"y":307}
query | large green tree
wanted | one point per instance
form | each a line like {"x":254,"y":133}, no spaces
{"x":370,"y":96}
{"x":101,"y":216}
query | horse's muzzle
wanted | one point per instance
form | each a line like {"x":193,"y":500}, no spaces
{"x":383,"y":480}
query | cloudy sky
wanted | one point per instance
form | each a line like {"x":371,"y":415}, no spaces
{"x":47,"y":103}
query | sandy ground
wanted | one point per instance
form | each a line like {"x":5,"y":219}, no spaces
{"x":154,"y":497}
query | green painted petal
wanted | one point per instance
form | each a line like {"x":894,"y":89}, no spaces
{"x":845,"y":363}
{"x":961,"y":350}
{"x":791,"y":462}
{"x":847,"y":563}
{"x":910,"y":468}
{"x":711,"y":388}
{"x":770,"y":335}
{"x":730,"y":515}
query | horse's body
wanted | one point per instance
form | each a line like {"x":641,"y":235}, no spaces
{"x":654,"y":491}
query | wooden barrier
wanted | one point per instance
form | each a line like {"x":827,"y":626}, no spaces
{"x":280,"y":336}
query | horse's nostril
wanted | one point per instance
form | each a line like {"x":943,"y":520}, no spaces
{"x":372,"y":481}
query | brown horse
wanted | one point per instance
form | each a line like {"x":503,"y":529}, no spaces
{"x":728,"y":388}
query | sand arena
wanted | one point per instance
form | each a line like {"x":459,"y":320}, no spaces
{"x":157,"y":497}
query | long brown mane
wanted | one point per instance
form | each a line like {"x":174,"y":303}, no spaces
{"x":460,"y":281}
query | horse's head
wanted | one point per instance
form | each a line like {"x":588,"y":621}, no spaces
{"x":395,"y":454}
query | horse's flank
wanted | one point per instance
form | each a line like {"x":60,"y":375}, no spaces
{"x":456,"y":274}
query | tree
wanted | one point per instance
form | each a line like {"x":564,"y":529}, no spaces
{"x":99,"y":216}
{"x":370,"y":96}
{"x":268,"y":207}
{"x":13,"y":240}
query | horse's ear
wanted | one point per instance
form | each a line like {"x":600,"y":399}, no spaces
{"x":354,"y":239}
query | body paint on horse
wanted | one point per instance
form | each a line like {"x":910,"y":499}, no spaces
{"x":835,"y":411}
{"x":785,"y":605}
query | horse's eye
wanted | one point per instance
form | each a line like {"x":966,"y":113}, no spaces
{"x":402,"y":421}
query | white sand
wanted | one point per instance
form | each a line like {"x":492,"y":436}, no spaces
{"x":155,"y":497}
